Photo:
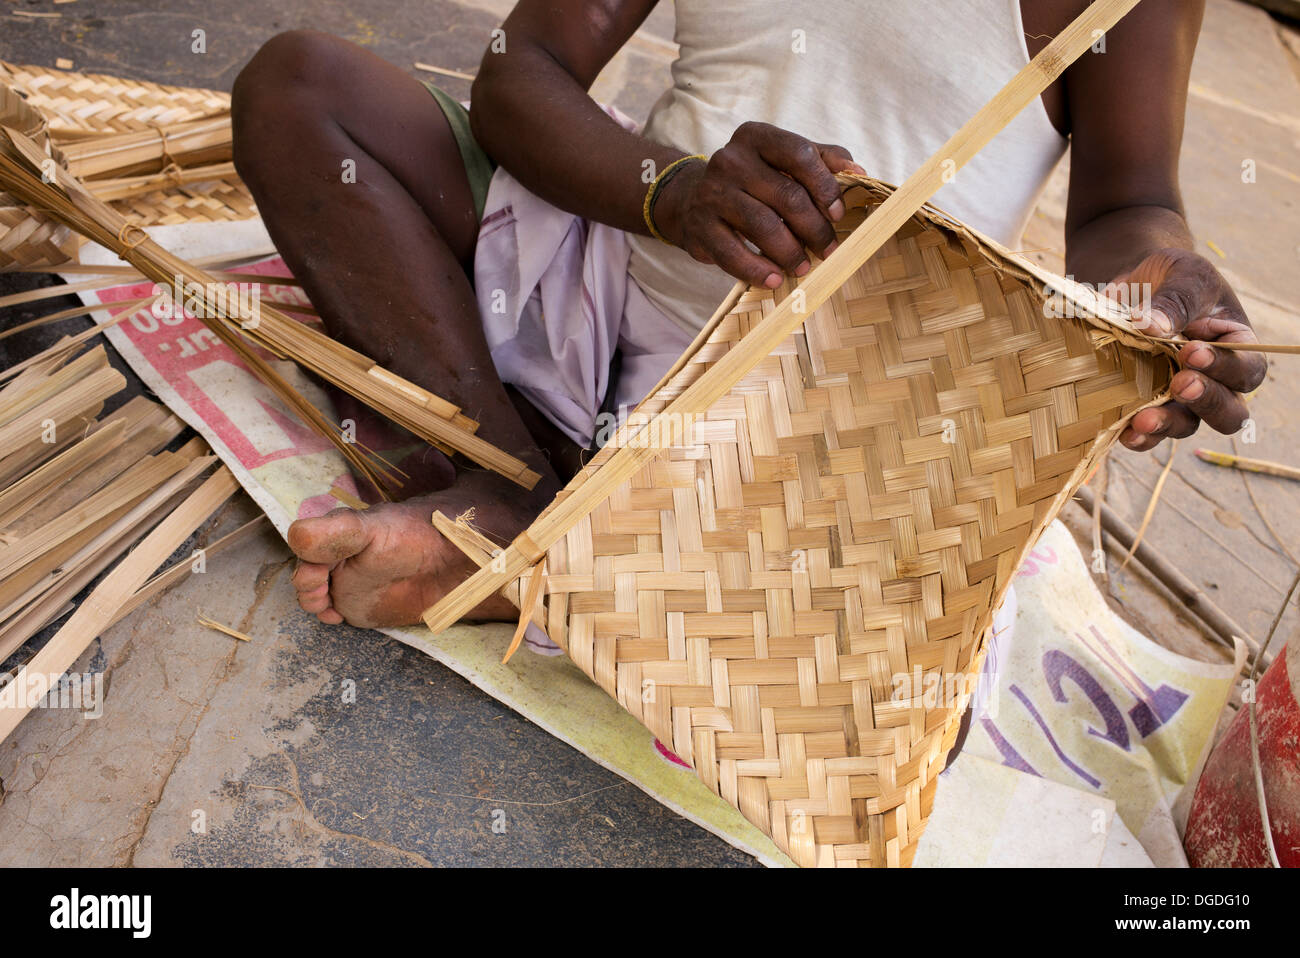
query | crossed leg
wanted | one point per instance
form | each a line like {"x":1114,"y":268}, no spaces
{"x":385,"y":260}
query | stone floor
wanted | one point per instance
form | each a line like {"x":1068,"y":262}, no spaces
{"x":217,"y":752}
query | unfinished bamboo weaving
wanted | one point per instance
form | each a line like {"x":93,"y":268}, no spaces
{"x":815,"y":514}
{"x":772,"y":595}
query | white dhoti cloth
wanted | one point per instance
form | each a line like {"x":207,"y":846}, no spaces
{"x":556,"y":301}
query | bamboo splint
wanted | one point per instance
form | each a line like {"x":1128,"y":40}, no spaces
{"x":424,"y":414}
{"x":74,"y":499}
{"x":815,"y":514}
{"x":98,"y":609}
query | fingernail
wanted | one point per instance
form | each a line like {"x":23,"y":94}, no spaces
{"x":836,"y":210}
{"x":802,"y":268}
{"x":773,"y":280}
{"x":1161,"y":322}
{"x":858,"y":170}
{"x":1200,"y":357}
{"x":1193,"y":390}
{"x":831,"y":249}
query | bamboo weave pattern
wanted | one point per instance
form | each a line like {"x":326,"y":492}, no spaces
{"x":764,"y":595}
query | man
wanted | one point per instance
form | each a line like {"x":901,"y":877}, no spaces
{"x":544,"y":279}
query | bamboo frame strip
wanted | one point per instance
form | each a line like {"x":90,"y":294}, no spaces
{"x":93,"y":556}
{"x":48,"y":475}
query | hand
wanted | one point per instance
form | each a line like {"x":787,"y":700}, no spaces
{"x":1189,"y":296}
{"x":769,"y":186}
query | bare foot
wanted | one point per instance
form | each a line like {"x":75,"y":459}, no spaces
{"x":384,"y":566}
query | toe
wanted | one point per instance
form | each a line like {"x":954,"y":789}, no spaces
{"x":317,"y":600}
{"x":330,"y":617}
{"x":310,"y":576}
{"x":329,"y":539}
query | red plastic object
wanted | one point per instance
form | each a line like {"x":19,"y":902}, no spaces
{"x":1224,"y":829}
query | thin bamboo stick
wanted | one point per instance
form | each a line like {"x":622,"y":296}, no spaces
{"x":591,"y":489}
{"x":1290,"y":349}
{"x":1151,"y":505}
{"x":101,"y":605}
{"x":1192,"y":596}
{"x":182,"y":570}
{"x":125,"y":187}
{"x":217,"y":626}
{"x":48,"y":476}
{"x":131,"y":306}
{"x":50,"y":292}
{"x":1262,"y":466}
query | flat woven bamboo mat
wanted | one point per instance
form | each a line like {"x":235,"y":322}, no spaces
{"x":82,"y":108}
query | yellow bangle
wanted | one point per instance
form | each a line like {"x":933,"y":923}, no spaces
{"x":653,"y":192}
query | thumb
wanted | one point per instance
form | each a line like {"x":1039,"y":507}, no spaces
{"x":838,"y":159}
{"x":1170,"y":289}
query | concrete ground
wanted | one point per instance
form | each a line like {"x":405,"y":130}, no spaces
{"x":217,"y":752}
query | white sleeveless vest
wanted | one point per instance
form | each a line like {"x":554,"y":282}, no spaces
{"x":889,"y":80}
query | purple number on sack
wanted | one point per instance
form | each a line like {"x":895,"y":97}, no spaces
{"x":1057,"y":667}
{"x":1051,"y":739}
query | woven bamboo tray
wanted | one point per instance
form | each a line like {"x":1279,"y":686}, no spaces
{"x":773,"y":595}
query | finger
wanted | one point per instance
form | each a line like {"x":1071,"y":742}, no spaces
{"x":1150,"y":427}
{"x":760,"y":224}
{"x":1239,"y":371}
{"x":791,"y":203}
{"x":724,"y":248}
{"x":1177,"y":286}
{"x":802,"y":160}
{"x":1220,"y":407}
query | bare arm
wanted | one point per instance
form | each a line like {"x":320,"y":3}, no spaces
{"x":1125,"y":220}
{"x":532,"y":114}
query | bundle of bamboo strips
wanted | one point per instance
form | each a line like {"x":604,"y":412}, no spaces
{"x":61,"y":196}
{"x":76,"y":491}
{"x":192,"y":143}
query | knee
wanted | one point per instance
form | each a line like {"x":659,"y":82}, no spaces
{"x":291,"y":77}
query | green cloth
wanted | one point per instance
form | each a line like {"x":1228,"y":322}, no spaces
{"x":478,"y":166}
